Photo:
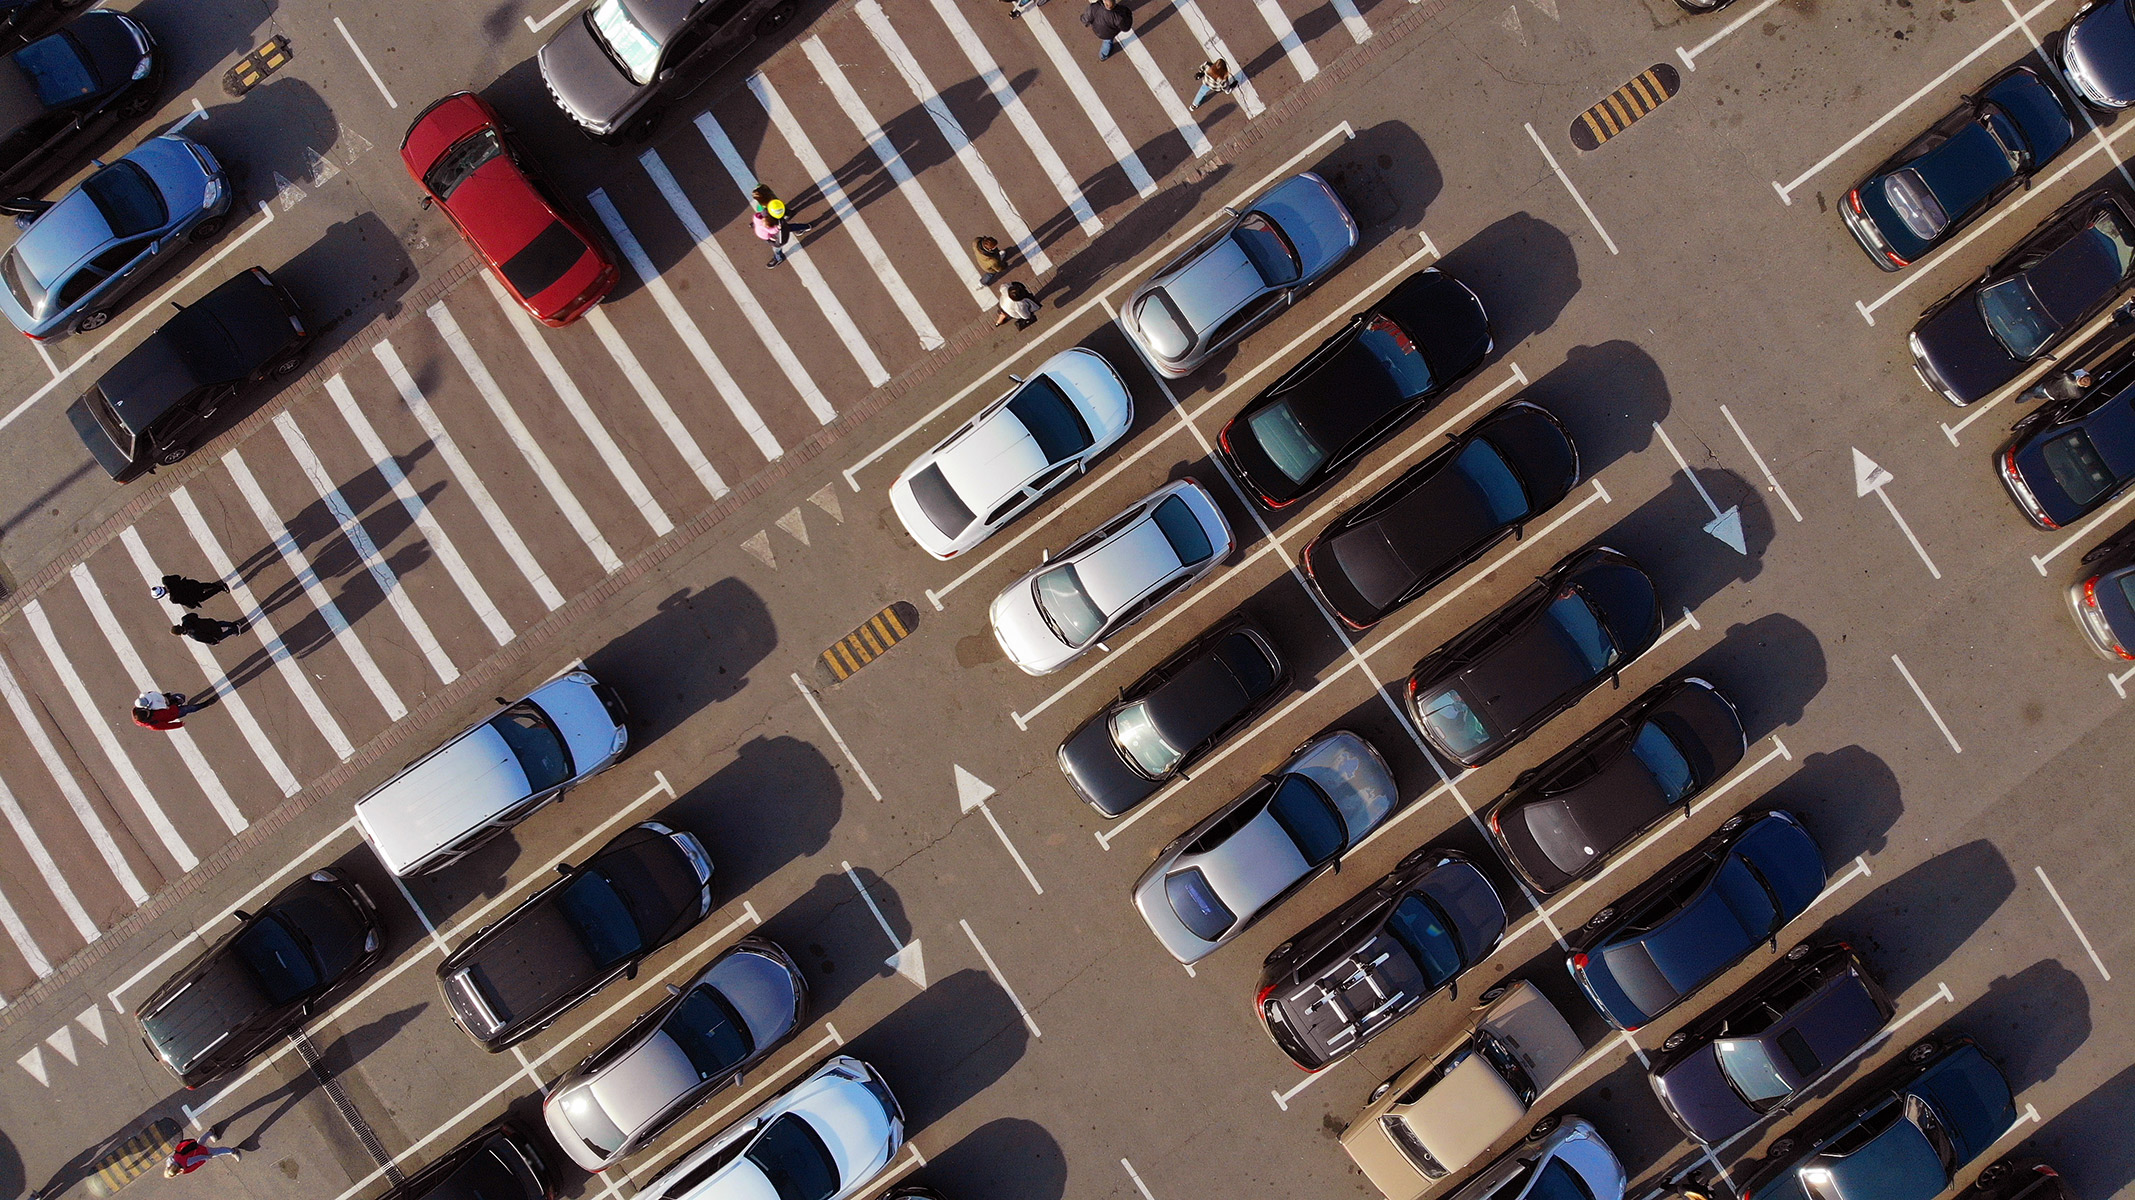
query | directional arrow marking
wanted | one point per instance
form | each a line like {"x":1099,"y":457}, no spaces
{"x":971,"y":793}
{"x":1726,"y":526}
{"x":1869,"y":477}
{"x":906,"y":959}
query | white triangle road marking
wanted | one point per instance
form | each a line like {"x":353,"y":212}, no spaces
{"x":92,"y":1019}
{"x":793,"y":524}
{"x":33,"y":1062}
{"x":62,"y":1040}
{"x":908,"y":963}
{"x":826,"y":499}
{"x":971,"y":791}
{"x":759,"y":544}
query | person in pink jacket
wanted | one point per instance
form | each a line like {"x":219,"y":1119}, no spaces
{"x":771,"y":225}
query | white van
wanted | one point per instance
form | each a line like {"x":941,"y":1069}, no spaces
{"x":438,"y":809}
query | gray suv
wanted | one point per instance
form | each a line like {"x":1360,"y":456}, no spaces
{"x":616,"y":68}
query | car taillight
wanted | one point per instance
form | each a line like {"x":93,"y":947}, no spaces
{"x":2094,"y":616}
{"x":1262,"y":998}
{"x":1896,"y":261}
{"x":1854,"y":198}
{"x":1494,"y":826}
{"x":1578,"y":962}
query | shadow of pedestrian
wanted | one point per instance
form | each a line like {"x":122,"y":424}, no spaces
{"x":301,"y":1079}
{"x":80,"y":1168}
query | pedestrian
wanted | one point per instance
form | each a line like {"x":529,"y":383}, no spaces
{"x":759,"y":196}
{"x":189,"y":1156}
{"x":1018,"y":305}
{"x":1215,"y":76}
{"x":992,"y":264}
{"x":163,"y":710}
{"x":1108,"y":19}
{"x":206,"y":630}
{"x":1017,"y":8}
{"x":2061,"y":385}
{"x":187,"y":593}
{"x":772,"y":226}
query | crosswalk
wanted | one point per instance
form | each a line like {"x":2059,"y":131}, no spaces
{"x":458,"y":481}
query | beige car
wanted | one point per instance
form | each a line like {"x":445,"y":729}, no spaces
{"x":1442,"y":1112}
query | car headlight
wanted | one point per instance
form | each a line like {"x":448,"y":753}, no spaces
{"x":323,"y":877}
{"x":210,"y":194}
{"x":370,"y":942}
{"x":141,"y":69}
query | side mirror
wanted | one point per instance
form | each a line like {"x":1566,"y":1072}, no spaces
{"x":1234,"y":212}
{"x":631,"y":971}
{"x":563,"y":868}
{"x":666,"y":75}
{"x":1615,"y":679}
{"x":1016,"y":377}
{"x":240,"y":914}
{"x":501,"y":700}
{"x":672,"y":990}
{"x":425,"y":202}
{"x":1519,"y":532}
{"x":1105,"y":648}
{"x":1045,"y":556}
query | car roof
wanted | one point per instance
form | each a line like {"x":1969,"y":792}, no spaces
{"x":1523,"y":673}
{"x":1214,"y":285}
{"x":440,"y":799}
{"x":2074,"y":275}
{"x":992,"y":462}
{"x":71,"y":230}
{"x":1965,"y":169}
{"x":643,"y":1083}
{"x":1202,"y":695}
{"x":1118,"y":571}
{"x":1251,"y":867}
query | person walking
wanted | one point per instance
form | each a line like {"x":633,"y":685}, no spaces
{"x":1215,"y":76}
{"x":772,"y":226}
{"x":163,"y":710}
{"x":1018,"y":305}
{"x":986,"y":252}
{"x":1017,"y":8}
{"x":1108,"y":19}
{"x":760,"y":196}
{"x":2060,"y":385}
{"x":189,"y":1156}
{"x":206,"y":630}
{"x":187,"y":593}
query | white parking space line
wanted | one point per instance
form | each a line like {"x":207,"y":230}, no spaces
{"x":1136,"y":1176}
{"x":1786,"y":190}
{"x":441,"y":543}
{"x":841,"y":89}
{"x":100,"y":729}
{"x":258,"y":623}
{"x":46,"y":355}
{"x":47,"y":867}
{"x":226,"y":694}
{"x":359,"y":539}
{"x":2070,"y":917}
{"x":19,"y":933}
{"x":448,"y":327}
{"x":137,"y":671}
{"x":1690,"y":56}
{"x":1566,"y":180}
{"x":730,"y":393}
{"x":850,"y":221}
{"x":1093,"y":107}
{"x":989,"y":72}
{"x":92,"y":824}
{"x":826,"y":297}
{"x":2083,"y":531}
{"x":809,"y":695}
{"x":1926,"y":704}
{"x":368,"y":69}
{"x":294,"y":558}
{"x":663,"y":413}
{"x":994,"y":969}
{"x":1286,"y":36}
{"x":574,"y":402}
{"x":1769,"y":478}
{"x":1205,"y":33}
{"x":534,"y":26}
{"x":1167,"y":95}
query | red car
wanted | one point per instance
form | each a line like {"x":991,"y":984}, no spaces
{"x":457,"y":152}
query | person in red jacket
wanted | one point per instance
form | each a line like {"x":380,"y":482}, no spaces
{"x":189,"y":1156}
{"x":160,"y":710}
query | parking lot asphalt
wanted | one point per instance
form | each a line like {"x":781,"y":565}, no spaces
{"x":1682,"y":297}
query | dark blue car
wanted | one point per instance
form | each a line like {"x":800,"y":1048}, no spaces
{"x":1991,"y":144}
{"x":1700,"y":915}
{"x":2071,"y":456}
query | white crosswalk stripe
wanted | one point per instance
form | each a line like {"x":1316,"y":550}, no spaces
{"x":107,"y":847}
{"x":1352,"y":20}
{"x":258,"y":623}
{"x":656,"y":403}
{"x":226,"y":695}
{"x":855,"y":110}
{"x":448,"y":327}
{"x":366,"y":548}
{"x":1205,"y":33}
{"x":48,"y":867}
{"x":100,"y":729}
{"x":1286,"y":35}
{"x":1019,"y":115}
{"x":441,"y":544}
{"x":293,"y":557}
{"x":20,"y":934}
{"x":1093,"y":107}
{"x":463,"y":472}
{"x":1167,"y":96}
{"x":131,"y":662}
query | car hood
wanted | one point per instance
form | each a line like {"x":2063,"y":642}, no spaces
{"x":1470,"y":902}
{"x":583,"y":78}
{"x":181,"y":179}
{"x":1959,"y":350}
{"x":1349,"y":770}
{"x":761,"y":989}
{"x":1530,"y":1026}
{"x":1022,"y":632}
{"x":1970,"y":1096}
{"x":1788,"y":858}
{"x":587,"y":729}
{"x":851,"y":1122}
{"x":1314,"y":219}
{"x":1698,"y":1093}
{"x":1445,"y":318}
{"x":1094,"y":388}
{"x":1093,"y":766}
{"x":2101,"y":46}
{"x":1467,"y":1110}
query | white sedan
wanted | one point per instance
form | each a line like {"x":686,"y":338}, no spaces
{"x":1044,"y":432}
{"x":825,"y":1138}
{"x":1111,"y":578}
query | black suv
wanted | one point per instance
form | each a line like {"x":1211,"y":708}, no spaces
{"x":63,"y":89}
{"x":500,"y":1163}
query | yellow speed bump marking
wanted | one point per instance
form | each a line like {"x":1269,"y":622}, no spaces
{"x":133,"y":1158}
{"x":870,"y":641}
{"x":253,"y":69}
{"x":1645,"y":91}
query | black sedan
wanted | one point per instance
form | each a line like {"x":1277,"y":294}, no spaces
{"x":2070,"y":457}
{"x":499,"y":1163}
{"x":2103,"y":597}
{"x":1479,"y":694}
{"x":1389,"y":363}
{"x":1166,"y":720}
{"x":1560,"y":821}
{"x":1989,"y":146}
{"x":154,"y":406}
{"x":2098,"y":54}
{"x":315,"y":939}
{"x":1757,"y":1050}
{"x":1978,"y":338}
{"x":1347,"y":976}
{"x":1442,"y":514}
{"x":643,"y":890}
{"x":62,"y":91}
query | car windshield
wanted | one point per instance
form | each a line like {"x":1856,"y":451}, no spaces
{"x":793,"y":1157}
{"x":1915,"y":205}
{"x":1424,"y":932}
{"x":2015,"y":317}
{"x":1559,"y":1182}
{"x":128,"y":199}
{"x":710,"y":1032}
{"x":947,"y":510}
{"x":1068,"y":610}
{"x":1283,"y":439}
{"x":1144,"y":747}
{"x":1269,"y":250}
{"x":460,"y":161}
{"x":1582,"y":630}
{"x":543,"y":262}
{"x":1393,"y":349}
{"x":1449,"y":718}
{"x":535,"y":742}
{"x":596,"y":911}
{"x":58,"y":68}
{"x":2075,"y":464}
{"x":1188,"y":538}
{"x":1052,"y":421}
{"x":1487,"y":472}
{"x":1305,"y":813}
{"x":637,"y":51}
{"x":1663,"y":760}
{"x":276,"y":956}
{"x":1196,"y":904}
{"x":28,"y":292}
{"x":1750,"y":1069}
{"x":591,"y":1123}
{"x":1899,"y":1163}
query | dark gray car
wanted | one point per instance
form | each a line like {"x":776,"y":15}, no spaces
{"x":62,"y":91}
{"x":617,"y":67}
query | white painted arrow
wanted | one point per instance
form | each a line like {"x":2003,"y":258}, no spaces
{"x":1726,"y":526}
{"x":905,"y":959}
{"x":971,"y":793}
{"x":1868,"y":477}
